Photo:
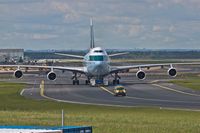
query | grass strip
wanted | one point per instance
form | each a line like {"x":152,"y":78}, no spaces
{"x":17,"y":110}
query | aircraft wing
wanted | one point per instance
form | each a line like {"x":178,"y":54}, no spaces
{"x":115,"y":69}
{"x":72,"y":69}
{"x":70,"y":55}
{"x":117,"y":54}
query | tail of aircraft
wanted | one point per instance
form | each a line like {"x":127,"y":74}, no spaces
{"x":92,"y":45}
{"x":91,"y":34}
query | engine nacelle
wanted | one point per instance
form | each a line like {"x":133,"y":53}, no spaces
{"x":172,"y":72}
{"x":51,"y":76}
{"x":18,"y":74}
{"x":141,"y":75}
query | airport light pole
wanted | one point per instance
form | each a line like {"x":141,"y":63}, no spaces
{"x":63,"y":115}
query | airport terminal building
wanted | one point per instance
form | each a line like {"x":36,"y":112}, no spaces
{"x":8,"y":55}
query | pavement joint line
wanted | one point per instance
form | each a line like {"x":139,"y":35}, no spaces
{"x":105,"y":89}
{"x":178,"y":91}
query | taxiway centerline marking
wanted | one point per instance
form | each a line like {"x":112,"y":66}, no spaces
{"x":178,"y":91}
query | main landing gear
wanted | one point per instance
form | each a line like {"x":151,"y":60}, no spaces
{"x":87,"y":81}
{"x":75,"y":82}
{"x":75,"y":79}
{"x":116,"y":79}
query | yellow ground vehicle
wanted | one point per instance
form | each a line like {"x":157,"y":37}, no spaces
{"x":119,"y":91}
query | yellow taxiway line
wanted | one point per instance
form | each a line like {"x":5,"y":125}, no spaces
{"x":42,"y":92}
{"x":42,"y":88}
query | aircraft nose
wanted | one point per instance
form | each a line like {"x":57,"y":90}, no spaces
{"x":99,"y":68}
{"x":98,"y":64}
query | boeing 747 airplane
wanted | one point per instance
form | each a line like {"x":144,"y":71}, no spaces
{"x":96,"y":66}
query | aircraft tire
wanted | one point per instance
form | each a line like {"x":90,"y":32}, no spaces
{"x":114,"y":82}
{"x":86,"y":82}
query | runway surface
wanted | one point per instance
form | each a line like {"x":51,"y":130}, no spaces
{"x":150,"y":93}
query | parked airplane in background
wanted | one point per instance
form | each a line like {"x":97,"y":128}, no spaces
{"x":96,"y":66}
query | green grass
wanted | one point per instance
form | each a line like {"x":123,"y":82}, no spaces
{"x":190,"y":81}
{"x":17,"y":110}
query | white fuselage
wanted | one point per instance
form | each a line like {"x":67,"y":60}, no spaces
{"x":96,"y":63}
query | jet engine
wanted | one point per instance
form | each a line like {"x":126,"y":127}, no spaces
{"x":18,"y":73}
{"x":51,"y":76}
{"x":172,"y":72}
{"x":141,"y":75}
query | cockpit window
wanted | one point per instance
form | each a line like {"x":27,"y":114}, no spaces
{"x":97,"y":58}
{"x":98,"y":51}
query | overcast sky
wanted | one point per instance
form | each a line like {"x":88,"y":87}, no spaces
{"x":120,"y":24}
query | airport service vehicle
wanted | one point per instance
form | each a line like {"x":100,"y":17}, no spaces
{"x":96,"y":66}
{"x":119,"y":90}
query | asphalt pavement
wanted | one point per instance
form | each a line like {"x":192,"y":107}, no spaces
{"x":148,"y":93}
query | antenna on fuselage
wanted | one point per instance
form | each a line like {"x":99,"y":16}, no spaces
{"x":91,"y":34}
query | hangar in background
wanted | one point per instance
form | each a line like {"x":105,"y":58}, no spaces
{"x":11,"y":55}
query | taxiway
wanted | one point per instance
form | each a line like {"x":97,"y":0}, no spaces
{"x":148,"y":93}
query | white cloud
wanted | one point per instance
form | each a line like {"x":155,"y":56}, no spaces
{"x":43,"y":36}
{"x":188,"y":3}
{"x":129,"y":30}
{"x":70,"y":14}
{"x":135,"y":30}
{"x":34,"y":36}
{"x":172,"y":28}
{"x":156,"y":28}
{"x":169,"y":39}
{"x":169,"y":3}
{"x":120,"y":28}
{"x":159,"y":4}
{"x":114,"y":19}
{"x":140,"y":21}
{"x":164,"y":28}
